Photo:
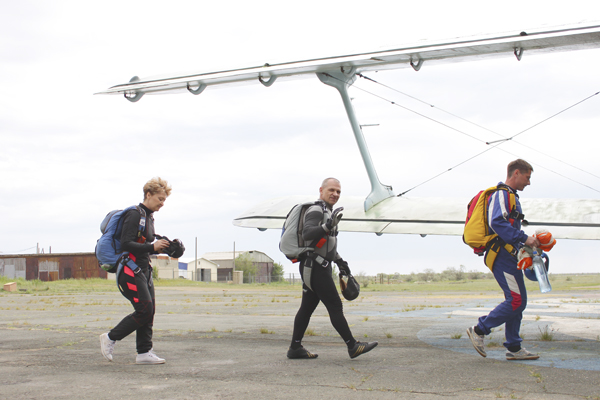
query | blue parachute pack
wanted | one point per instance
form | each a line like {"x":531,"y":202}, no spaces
{"x":108,"y":248}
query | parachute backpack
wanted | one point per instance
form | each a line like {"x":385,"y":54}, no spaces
{"x":291,"y":242}
{"x":478,"y":234}
{"x":108,"y":247}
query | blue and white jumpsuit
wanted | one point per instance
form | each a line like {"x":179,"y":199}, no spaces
{"x":508,"y":276}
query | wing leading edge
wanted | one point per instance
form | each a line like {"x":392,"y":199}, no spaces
{"x":565,"y":218}
{"x":568,"y":38}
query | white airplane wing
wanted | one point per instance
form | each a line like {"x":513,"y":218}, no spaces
{"x":382,"y":211}
{"x":519,"y":44}
{"x":565,"y":218}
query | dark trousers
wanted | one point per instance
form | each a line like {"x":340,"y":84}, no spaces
{"x":139,"y":290}
{"x":509,"y":312}
{"x":323,"y":290}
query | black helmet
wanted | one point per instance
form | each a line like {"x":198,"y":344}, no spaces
{"x":175,"y":249}
{"x":350,"y":289}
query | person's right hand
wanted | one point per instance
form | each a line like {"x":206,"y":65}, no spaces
{"x":532,"y":241}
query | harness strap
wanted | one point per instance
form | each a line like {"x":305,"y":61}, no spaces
{"x":307,"y":268}
{"x":317,"y":258}
{"x":126,"y":259}
{"x":141,"y":225}
{"x":498,"y":242}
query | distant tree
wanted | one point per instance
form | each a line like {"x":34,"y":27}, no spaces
{"x":428,"y":275}
{"x":453,"y":274}
{"x":475,"y":275}
{"x":277,"y":272}
{"x":363,"y":279}
{"x":460,"y":274}
{"x":244,"y":263}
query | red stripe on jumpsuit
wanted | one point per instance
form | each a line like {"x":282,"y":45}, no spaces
{"x":514,"y":291}
{"x":133,"y":287}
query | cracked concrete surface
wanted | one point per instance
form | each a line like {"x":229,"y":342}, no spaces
{"x":212,"y":341}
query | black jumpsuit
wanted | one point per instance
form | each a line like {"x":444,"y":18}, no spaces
{"x":138,"y":287}
{"x":323,"y":287}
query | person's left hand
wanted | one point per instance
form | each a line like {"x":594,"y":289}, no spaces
{"x":343,"y":267}
{"x":160,"y":245}
{"x":336,"y":216}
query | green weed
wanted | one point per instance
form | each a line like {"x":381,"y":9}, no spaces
{"x":546,"y":334}
{"x":310,"y":332}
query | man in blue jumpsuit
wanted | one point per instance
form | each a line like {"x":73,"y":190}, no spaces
{"x":508,"y":276}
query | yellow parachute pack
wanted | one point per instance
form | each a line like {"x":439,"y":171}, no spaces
{"x":477,"y":233}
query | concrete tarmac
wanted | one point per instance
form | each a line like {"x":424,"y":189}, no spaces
{"x":232,"y":343}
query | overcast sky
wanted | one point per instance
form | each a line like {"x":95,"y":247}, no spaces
{"x":68,"y":157}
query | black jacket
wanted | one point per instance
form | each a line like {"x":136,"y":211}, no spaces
{"x":314,"y":222}
{"x":129,"y":236}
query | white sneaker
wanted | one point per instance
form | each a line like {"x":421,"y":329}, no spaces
{"x":476,"y":341}
{"x":107,"y":346}
{"x":149,"y":358}
{"x":522,"y":354}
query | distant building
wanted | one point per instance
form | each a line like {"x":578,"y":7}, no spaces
{"x":168,"y":268}
{"x":211,"y":267}
{"x":224,"y":259}
{"x":51,"y":266}
{"x":203,"y":270}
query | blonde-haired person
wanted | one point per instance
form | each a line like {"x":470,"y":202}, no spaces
{"x":136,"y":283}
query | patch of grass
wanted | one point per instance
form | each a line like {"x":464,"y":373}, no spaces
{"x":388,"y":335}
{"x":36,"y":286}
{"x":456,"y":336}
{"x":492,"y":344}
{"x":266,"y":331}
{"x":536,"y":375}
{"x":546,"y":334}
{"x":365,"y":319}
{"x":310,"y":332}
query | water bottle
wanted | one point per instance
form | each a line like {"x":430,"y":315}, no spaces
{"x":541,"y":273}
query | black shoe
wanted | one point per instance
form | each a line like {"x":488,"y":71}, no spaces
{"x":300,"y":352}
{"x":361,"y":348}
